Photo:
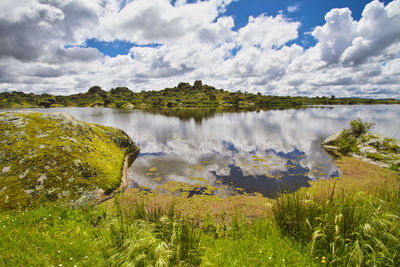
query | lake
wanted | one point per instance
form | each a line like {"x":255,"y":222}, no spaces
{"x":264,"y":152}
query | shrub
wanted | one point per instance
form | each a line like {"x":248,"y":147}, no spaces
{"x":347,"y":142}
{"x":358,"y":127}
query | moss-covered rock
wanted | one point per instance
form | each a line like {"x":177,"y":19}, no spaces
{"x":368,"y":147}
{"x":52,"y":156}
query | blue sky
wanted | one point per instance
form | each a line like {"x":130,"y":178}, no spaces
{"x":309,"y":12}
{"x":310,"y":48}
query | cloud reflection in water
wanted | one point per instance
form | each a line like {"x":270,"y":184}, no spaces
{"x":259,"y":151}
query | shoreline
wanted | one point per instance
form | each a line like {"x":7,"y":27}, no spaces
{"x":101,"y":196}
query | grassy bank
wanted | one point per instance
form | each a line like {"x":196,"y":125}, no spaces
{"x":330,"y":223}
{"x":142,"y":236}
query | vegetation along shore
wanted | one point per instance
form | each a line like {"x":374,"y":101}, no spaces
{"x":183,"y":95}
{"x":57,"y":171}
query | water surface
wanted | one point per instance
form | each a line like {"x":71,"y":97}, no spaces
{"x":263,"y":152}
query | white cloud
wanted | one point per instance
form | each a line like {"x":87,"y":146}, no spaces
{"x":378,"y":29}
{"x":267,"y":32}
{"x":31,"y":29}
{"x":344,"y":40}
{"x":294,"y":8}
{"x":158,"y":21}
{"x":336,"y":35}
{"x":196,"y":42}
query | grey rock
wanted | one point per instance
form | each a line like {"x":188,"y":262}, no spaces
{"x":372,"y":148}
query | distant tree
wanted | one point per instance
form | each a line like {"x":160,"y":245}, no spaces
{"x":121,"y":91}
{"x":45,"y":104}
{"x":212,"y":97}
{"x":51,"y":100}
{"x":107,"y":102}
{"x":333,"y":97}
{"x":236,"y":101}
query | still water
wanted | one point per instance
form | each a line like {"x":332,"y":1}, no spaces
{"x":264,"y":152}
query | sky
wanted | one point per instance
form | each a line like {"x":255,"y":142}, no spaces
{"x":290,"y":48}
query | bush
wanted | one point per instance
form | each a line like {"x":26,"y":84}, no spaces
{"x":347,"y":142}
{"x":358,"y":127}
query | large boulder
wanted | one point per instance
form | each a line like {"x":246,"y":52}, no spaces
{"x":96,"y":90}
{"x":53,"y":157}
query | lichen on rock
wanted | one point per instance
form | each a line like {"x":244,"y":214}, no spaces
{"x":364,"y":145}
{"x":53,"y":156}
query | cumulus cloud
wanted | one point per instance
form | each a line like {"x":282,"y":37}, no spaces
{"x":336,"y":35}
{"x":369,"y":41}
{"x":42,"y":48}
{"x":47,"y":72}
{"x":60,"y":55}
{"x":30,"y":28}
{"x":268,"y":32}
{"x":159,"y":21}
{"x":344,"y":40}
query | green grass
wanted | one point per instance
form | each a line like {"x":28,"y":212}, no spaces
{"x":152,"y":236}
{"x":48,"y":236}
{"x":351,"y":229}
{"x":308,"y":229}
{"x":142,"y":236}
{"x":254,"y":243}
{"x":375,"y":156}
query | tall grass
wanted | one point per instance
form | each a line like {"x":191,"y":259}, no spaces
{"x":150,"y":236}
{"x":256,"y":242}
{"x":352,"y":228}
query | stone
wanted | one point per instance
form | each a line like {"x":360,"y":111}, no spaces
{"x":372,"y":148}
{"x":331,"y":140}
{"x":54,"y":153}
